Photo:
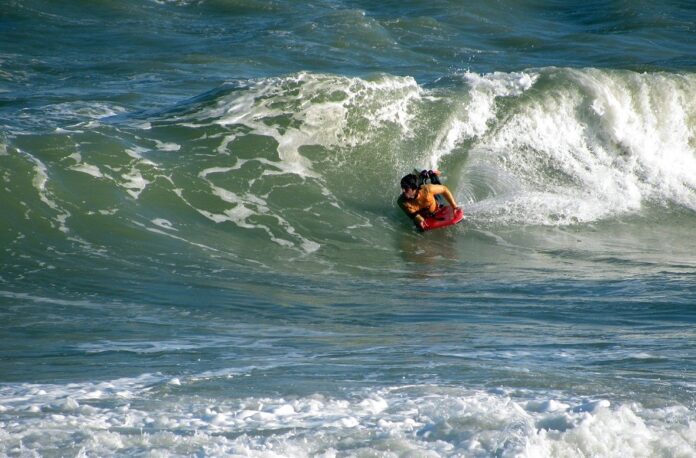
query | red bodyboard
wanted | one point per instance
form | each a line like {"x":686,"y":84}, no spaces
{"x":446,"y":216}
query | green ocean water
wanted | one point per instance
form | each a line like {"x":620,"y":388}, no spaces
{"x":202,"y":255}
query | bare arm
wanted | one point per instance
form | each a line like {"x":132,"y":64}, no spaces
{"x":414,"y":216}
{"x":439,"y":189}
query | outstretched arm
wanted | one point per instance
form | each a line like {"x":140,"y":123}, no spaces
{"x":439,"y":189}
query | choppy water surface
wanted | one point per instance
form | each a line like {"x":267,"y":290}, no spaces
{"x":201,"y":252}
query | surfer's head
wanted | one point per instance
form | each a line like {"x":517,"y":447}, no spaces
{"x":409,"y":185}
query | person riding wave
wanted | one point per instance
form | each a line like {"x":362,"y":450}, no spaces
{"x":420,"y":200}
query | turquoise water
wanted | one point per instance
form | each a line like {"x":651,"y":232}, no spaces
{"x":202,"y":255}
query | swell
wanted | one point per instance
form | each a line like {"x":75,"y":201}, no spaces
{"x":309,"y":163}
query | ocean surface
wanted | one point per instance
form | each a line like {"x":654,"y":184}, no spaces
{"x":201,"y":252}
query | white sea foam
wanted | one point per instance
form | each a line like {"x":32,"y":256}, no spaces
{"x":152,"y":414}
{"x":40,"y":182}
{"x":248,"y":205}
{"x":89,"y":169}
{"x":597,"y":145}
{"x":472,"y":116}
{"x":164,"y":224}
{"x":135,"y":184}
{"x":167,"y":146}
{"x":322,"y":110}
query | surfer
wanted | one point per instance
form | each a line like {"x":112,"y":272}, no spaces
{"x":419,"y":199}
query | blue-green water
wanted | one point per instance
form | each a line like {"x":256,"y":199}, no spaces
{"x":202,"y":255}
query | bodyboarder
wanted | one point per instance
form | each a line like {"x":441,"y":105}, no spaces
{"x":420,"y":199}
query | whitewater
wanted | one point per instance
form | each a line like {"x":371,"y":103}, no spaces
{"x":202,"y":253}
